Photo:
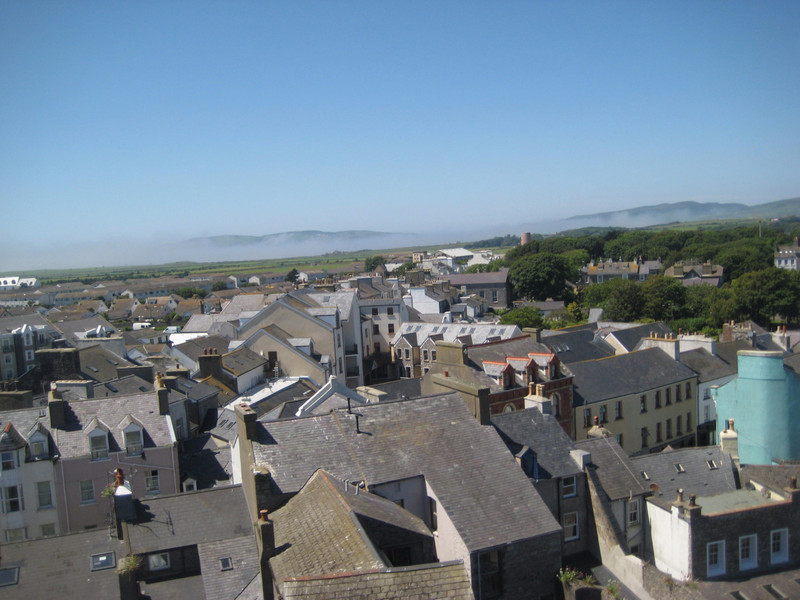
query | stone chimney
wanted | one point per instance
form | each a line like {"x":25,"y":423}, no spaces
{"x":266,"y":542}
{"x":210,"y":363}
{"x":162,"y":395}
{"x":246,"y":419}
{"x":57,"y":408}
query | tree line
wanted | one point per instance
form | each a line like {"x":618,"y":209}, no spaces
{"x":752,"y":287}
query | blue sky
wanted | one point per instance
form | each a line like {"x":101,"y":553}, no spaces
{"x":179,"y":119}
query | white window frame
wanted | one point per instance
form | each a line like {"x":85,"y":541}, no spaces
{"x":134,"y":440}
{"x":634,"y":512}
{"x":781,"y":555}
{"x":569,"y":486}
{"x":571,"y":526}
{"x":152,"y":482}
{"x":96,"y":452}
{"x":718,"y":566}
{"x":748,"y":552}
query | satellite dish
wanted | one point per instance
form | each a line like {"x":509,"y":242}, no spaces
{"x":654,"y":487}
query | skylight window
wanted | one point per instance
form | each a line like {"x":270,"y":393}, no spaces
{"x":711,"y":464}
{"x":106,"y":560}
{"x":679,"y":468}
{"x":92,"y":369}
{"x":226,"y":564}
{"x":9,"y":576}
{"x":645,"y":476}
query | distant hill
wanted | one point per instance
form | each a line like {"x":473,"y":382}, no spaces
{"x":289,"y":237}
{"x":658,"y":214}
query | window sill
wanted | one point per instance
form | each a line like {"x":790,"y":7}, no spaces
{"x":48,"y":507}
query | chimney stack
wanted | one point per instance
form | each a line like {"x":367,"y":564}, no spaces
{"x":210,"y":363}
{"x":162,"y":395}
{"x":266,"y":540}
{"x":246,"y":419}
{"x":56,"y":406}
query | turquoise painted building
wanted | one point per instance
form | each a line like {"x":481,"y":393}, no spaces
{"x":764,"y":402}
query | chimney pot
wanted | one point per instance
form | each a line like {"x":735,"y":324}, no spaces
{"x":597,"y":420}
{"x":264,"y":515}
{"x":680,"y":494}
{"x":692,"y":500}
{"x":793,"y":483}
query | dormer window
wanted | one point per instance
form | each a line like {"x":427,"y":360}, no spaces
{"x":98,"y":444}
{"x":133,"y":440}
{"x":39,"y":447}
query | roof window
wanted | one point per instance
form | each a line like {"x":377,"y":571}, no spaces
{"x":679,"y":468}
{"x":106,"y":560}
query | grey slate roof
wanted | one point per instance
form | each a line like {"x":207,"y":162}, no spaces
{"x":195,"y":348}
{"x":696,"y":476}
{"x":631,"y":373}
{"x":576,"y":344}
{"x":707,"y":366}
{"x":492,"y":277}
{"x":542,"y":434}
{"x":100,"y":364}
{"x":204,"y":516}
{"x":73,"y":440}
{"x":615,"y":470}
{"x":631,"y":336}
{"x":423,"y":582}
{"x":205,"y":462}
{"x":488,"y":498}
{"x":59,"y":567}
{"x":775,"y":477}
{"x":242,"y":360}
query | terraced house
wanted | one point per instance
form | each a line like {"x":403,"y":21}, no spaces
{"x":645,"y":398}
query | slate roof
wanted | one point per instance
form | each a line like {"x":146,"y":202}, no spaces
{"x":242,"y":360}
{"x":493,"y":277}
{"x":775,"y":477}
{"x":395,"y":390}
{"x":187,"y":519}
{"x":195,"y":348}
{"x":488,"y":498}
{"x":60,"y":567}
{"x":319,"y":528}
{"x":631,"y":336}
{"x":205,"y":462}
{"x":707,"y":366}
{"x":696,"y":477}
{"x":632,"y":373}
{"x":616,"y":472}
{"x":125,"y":386}
{"x":73,"y":440}
{"x":9,"y":324}
{"x":542,"y":434}
{"x":422,"y":582}
{"x":577,"y":344}
{"x":73,"y":329}
{"x":99,"y":363}
{"x":479,"y":332}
